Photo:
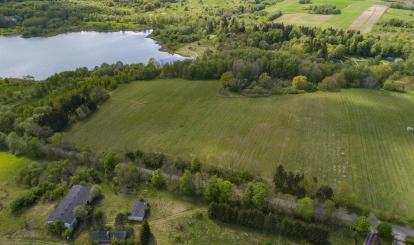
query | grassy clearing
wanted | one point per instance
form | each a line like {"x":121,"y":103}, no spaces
{"x":304,"y":19}
{"x":357,"y":135}
{"x":29,"y":227}
{"x":176,"y":220}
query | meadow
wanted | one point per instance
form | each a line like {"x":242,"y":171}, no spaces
{"x":355,"y":135}
{"x":175,"y":219}
{"x":295,"y":13}
{"x":29,"y":227}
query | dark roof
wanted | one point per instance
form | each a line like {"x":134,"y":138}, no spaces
{"x":106,"y":236}
{"x":139,"y":208}
{"x":78,"y":195}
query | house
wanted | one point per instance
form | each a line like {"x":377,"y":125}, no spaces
{"x":138,"y":211}
{"x":105,"y":237}
{"x":78,"y":195}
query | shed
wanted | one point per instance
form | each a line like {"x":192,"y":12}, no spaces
{"x":138,"y":211}
{"x":78,"y":195}
{"x":105,"y":237}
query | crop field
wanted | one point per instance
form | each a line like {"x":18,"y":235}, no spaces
{"x":295,"y":13}
{"x":357,"y":135}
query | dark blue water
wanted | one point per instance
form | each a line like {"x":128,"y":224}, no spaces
{"x":41,"y":57}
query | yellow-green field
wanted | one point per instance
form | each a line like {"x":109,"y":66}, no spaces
{"x":357,"y":135}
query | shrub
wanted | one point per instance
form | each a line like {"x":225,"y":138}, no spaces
{"x":409,"y":240}
{"x":96,"y":192}
{"x":324,"y":9}
{"x":304,"y":1}
{"x":157,"y":180}
{"x":254,"y":218}
{"x":328,"y":84}
{"x":385,"y":230}
{"x":300,"y":83}
{"x":218,"y":190}
{"x":153,"y":160}
{"x":395,"y":86}
{"x":362,"y":225}
{"x":186,"y":183}
{"x":306,"y":208}
{"x":275,"y":15}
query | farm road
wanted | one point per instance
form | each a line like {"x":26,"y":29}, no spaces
{"x":366,"y":21}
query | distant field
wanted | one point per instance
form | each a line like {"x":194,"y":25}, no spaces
{"x":294,"y":13}
{"x":357,"y":135}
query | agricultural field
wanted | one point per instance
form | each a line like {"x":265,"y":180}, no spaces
{"x":356,"y":135}
{"x":295,"y":13}
{"x":395,"y":14}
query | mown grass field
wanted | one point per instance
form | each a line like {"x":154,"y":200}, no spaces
{"x":357,"y":135}
{"x":295,"y":13}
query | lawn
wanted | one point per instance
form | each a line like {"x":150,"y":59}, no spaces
{"x":356,"y":135}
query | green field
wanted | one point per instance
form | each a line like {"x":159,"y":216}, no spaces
{"x":294,"y":13}
{"x":357,"y":135}
{"x":29,"y":227}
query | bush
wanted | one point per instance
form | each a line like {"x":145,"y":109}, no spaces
{"x":300,"y":83}
{"x":275,"y":15}
{"x":385,"y":230}
{"x":409,"y":240}
{"x":362,"y":226}
{"x":153,"y":160}
{"x":324,"y":9}
{"x":328,"y":84}
{"x":304,"y":1}
{"x":254,"y":218}
{"x":157,"y":180}
{"x":96,"y":192}
{"x":395,"y":86}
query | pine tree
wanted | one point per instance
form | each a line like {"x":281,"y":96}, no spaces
{"x":145,"y":235}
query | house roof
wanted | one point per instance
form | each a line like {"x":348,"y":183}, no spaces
{"x":139,"y":208}
{"x":78,"y":195}
{"x":106,"y":236}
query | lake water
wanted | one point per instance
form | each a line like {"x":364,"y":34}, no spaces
{"x":41,"y":57}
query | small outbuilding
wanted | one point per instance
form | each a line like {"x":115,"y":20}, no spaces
{"x":138,"y":211}
{"x":78,"y":195}
{"x":106,"y":237}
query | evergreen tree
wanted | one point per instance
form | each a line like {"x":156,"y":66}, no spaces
{"x":145,"y":234}
{"x":186,"y":184}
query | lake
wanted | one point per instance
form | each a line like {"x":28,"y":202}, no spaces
{"x":41,"y":57}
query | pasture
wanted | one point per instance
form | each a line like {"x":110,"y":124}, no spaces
{"x":295,"y":13}
{"x":355,"y":135}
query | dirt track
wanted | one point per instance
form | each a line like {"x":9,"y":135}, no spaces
{"x":368,"y":18}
